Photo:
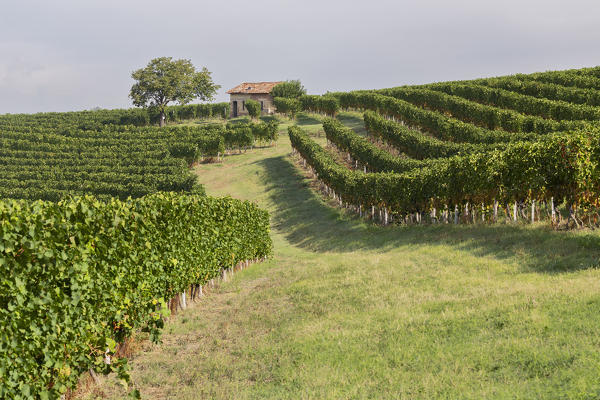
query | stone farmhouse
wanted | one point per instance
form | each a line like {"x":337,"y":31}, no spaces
{"x":259,"y":91}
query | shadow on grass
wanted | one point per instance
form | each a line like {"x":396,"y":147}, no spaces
{"x":269,"y":118}
{"x":353,"y":120}
{"x":239,"y":120}
{"x":209,"y":122}
{"x":310,"y":123}
{"x":306,"y":221}
{"x":303,"y":119}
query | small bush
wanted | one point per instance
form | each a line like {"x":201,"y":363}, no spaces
{"x":253,"y":108}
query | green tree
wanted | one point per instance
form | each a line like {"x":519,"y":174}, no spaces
{"x":165,"y":80}
{"x":253,"y":108}
{"x":288,"y":89}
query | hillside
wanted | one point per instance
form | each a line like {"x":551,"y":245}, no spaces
{"x":347,"y":309}
{"x":432,"y":241}
{"x":478,"y":153}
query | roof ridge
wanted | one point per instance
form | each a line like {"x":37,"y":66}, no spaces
{"x":264,"y":87}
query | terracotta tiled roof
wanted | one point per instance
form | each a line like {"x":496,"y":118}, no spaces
{"x":253,"y":87}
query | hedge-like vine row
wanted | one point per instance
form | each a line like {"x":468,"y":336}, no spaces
{"x":369,"y":155}
{"x":328,"y":105}
{"x":80,"y":275}
{"x":559,"y":166}
{"x":131,"y":116}
{"x":557,"y":110}
{"x":490,"y":117}
{"x":200,"y":141}
{"x":416,"y":144}
{"x":544,"y":90}
{"x":122,"y":162}
{"x":564,"y":78}
{"x":191,"y":111}
{"x":113,"y":160}
{"x":287,"y":106}
{"x":244,"y":135}
{"x":439,"y":125}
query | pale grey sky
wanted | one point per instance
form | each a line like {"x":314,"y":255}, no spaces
{"x":65,"y":55}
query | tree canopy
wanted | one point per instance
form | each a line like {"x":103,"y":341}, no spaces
{"x":288,"y":89}
{"x":165,"y":80}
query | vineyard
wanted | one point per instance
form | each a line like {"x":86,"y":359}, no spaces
{"x":103,"y":229}
{"x":517,"y":148}
{"x":50,"y":156}
{"x":81,"y":275}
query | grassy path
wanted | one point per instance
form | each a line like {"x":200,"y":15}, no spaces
{"x":349,"y":310}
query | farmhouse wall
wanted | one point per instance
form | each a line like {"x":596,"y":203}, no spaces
{"x":267,"y":99}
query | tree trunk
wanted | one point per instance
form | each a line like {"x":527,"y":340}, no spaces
{"x":162,"y":118}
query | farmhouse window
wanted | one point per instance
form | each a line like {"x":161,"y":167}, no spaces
{"x":243,"y":105}
{"x":262,"y":106}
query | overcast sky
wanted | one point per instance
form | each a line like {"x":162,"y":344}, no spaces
{"x":65,"y":55}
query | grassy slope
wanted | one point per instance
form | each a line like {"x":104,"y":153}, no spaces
{"x":350,"y":310}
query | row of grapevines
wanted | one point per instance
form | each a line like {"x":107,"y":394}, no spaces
{"x":67,"y":158}
{"x":241,"y":135}
{"x":287,"y":106}
{"x":94,"y":129}
{"x":119,"y":161}
{"x":128,"y":169}
{"x":543,"y":90}
{"x":125,"y":148}
{"x":199,"y":141}
{"x":80,"y":275}
{"x":328,"y":105}
{"x":488,"y":116}
{"x":64,"y":179}
{"x":132,"y":116}
{"x":559,"y":165}
{"x":369,"y":155}
{"x":54,"y":190}
{"x":416,"y":144}
{"x":191,"y":111}
{"x":573,"y":78}
{"x":555,"y":109}
{"x":439,"y":125}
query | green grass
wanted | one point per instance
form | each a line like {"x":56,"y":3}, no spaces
{"x":354,"y":120}
{"x":346,"y":309}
